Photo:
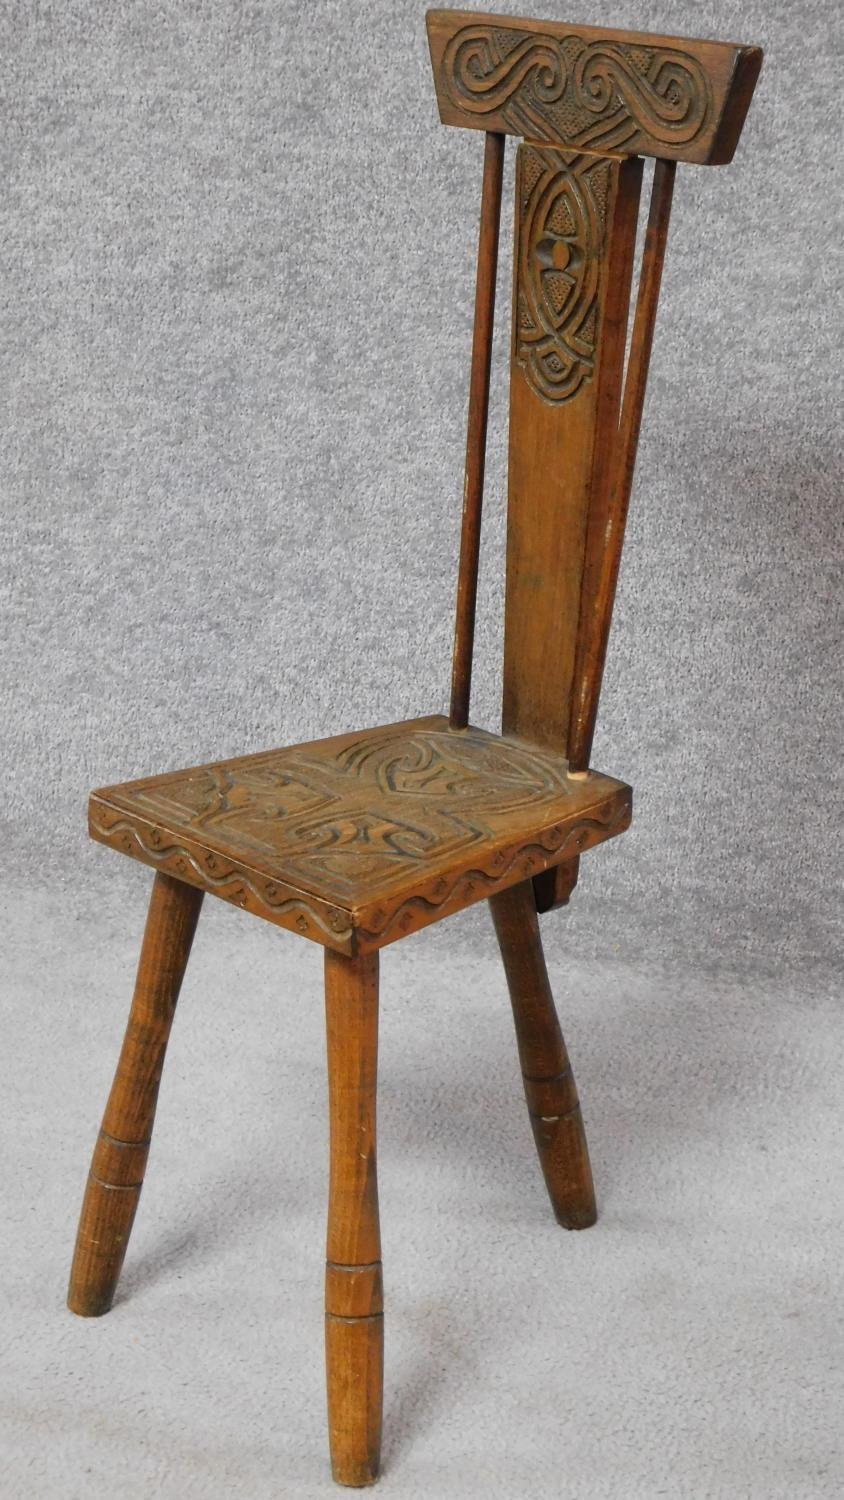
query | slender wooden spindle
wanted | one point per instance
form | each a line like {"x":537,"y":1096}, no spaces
{"x":354,"y":1303}
{"x":546,"y":1071}
{"x":473,"y":484}
{"x":596,"y":619}
{"x":120,"y":1155}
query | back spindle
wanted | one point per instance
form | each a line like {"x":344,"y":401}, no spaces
{"x":607,"y":525}
{"x":473,"y":484}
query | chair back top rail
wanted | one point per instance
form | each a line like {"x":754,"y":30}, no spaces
{"x":625,"y":93}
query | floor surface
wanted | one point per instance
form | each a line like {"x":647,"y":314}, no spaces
{"x":690,"y":1345}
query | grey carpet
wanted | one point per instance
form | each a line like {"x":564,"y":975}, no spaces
{"x":689,"y":1346}
{"x":237,"y":276}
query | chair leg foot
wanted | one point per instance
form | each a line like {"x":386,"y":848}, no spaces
{"x":546,"y":1071}
{"x":354,"y":1353}
{"x":354,"y":1303}
{"x":117,"y":1169}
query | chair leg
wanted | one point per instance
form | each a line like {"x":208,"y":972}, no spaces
{"x":549,"y":1082}
{"x":117,"y":1170}
{"x":354,"y":1303}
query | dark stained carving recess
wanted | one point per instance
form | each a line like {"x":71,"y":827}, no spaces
{"x":378,"y":830}
{"x":562,"y":223}
{"x":599,"y":94}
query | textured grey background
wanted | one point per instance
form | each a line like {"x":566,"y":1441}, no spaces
{"x":237,"y":266}
{"x":240,"y":256}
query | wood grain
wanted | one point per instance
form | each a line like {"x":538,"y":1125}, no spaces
{"x":610,"y":92}
{"x":548,"y":1080}
{"x":553,"y":887}
{"x":354,"y":1304}
{"x":575,"y":235}
{"x":473,"y":485}
{"x":356,"y":840}
{"x":611,"y":498}
{"x":360,"y":839}
{"x":120,"y":1155}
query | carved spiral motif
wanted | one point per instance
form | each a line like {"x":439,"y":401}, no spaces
{"x":668,"y":101}
{"x":577,"y":92}
{"x":482,"y":82}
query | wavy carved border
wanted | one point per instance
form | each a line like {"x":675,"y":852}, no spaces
{"x":226,"y":879}
{"x":384,"y":921}
{"x":447,"y":895}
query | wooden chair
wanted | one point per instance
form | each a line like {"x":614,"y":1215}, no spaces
{"x":358,"y":840}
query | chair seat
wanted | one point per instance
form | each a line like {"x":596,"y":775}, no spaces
{"x":359,"y":839}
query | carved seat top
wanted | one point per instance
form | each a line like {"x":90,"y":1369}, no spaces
{"x":358,"y":839}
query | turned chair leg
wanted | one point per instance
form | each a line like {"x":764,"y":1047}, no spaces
{"x":354,"y":1303}
{"x":117,"y":1170}
{"x":548,"y":1079}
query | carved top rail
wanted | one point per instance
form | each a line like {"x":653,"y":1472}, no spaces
{"x":624,"y":93}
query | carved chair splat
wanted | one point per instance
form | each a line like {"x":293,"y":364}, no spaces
{"x":357,"y":840}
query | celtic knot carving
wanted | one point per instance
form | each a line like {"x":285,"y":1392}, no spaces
{"x":562,"y":217}
{"x":596,"y":94}
{"x":366,"y":836}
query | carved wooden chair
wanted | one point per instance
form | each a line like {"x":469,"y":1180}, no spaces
{"x":355,"y":841}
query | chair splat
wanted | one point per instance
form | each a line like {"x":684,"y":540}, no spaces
{"x":576,"y":218}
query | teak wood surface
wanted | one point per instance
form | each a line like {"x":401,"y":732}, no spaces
{"x":357,"y":840}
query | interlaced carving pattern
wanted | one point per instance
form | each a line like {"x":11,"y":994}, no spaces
{"x":351,"y":821}
{"x":562,"y":221}
{"x":596,"y":94}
